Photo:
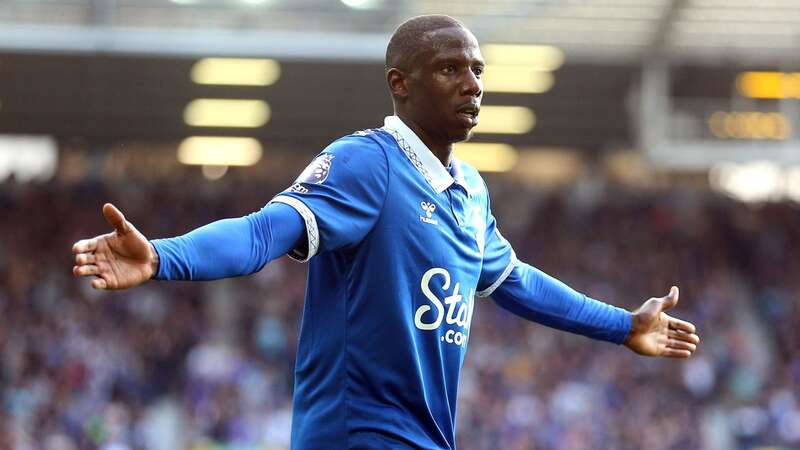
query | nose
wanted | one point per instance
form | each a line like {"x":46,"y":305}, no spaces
{"x":471,"y":85}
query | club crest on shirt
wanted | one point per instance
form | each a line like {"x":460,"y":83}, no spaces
{"x":317,"y":172}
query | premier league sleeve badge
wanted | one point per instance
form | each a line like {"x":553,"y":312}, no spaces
{"x":317,"y":172}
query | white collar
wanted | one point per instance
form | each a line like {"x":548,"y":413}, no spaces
{"x":419,"y":154}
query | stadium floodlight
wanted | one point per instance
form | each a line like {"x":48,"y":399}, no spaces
{"x":236,"y":71}
{"x":516,"y":79}
{"x":219,"y":151}
{"x":214,"y":172}
{"x":549,"y":166}
{"x":361,"y":4}
{"x":755,"y":181}
{"x":214,"y":112}
{"x":544,"y":58}
{"x":749,"y":125}
{"x":28,"y":157}
{"x":488,"y":157}
{"x":505,"y":120}
{"x":524,"y":69}
{"x":769,"y":85}
{"x":792,"y":183}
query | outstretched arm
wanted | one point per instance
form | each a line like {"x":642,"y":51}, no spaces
{"x":231,"y":247}
{"x":530,"y":293}
{"x":534,"y":295}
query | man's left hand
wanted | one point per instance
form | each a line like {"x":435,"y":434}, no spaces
{"x":654,"y":333}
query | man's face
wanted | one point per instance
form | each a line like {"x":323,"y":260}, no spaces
{"x":445,"y":86}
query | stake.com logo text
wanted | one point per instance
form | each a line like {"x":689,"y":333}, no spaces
{"x":459,"y":309}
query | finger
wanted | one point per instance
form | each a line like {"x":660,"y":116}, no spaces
{"x":684,"y":336}
{"x":674,"y":353}
{"x":82,"y":271}
{"x":115,"y":218}
{"x":681,"y":345}
{"x":99,"y":283}
{"x":671,"y":299}
{"x":85,"y":245}
{"x":681,"y":325}
{"x":85,"y":258}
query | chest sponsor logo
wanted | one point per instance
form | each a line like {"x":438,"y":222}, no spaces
{"x":453,"y":312}
{"x":428,"y":209}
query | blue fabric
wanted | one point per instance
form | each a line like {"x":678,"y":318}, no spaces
{"x":497,"y":256}
{"x":397,"y":258}
{"x":389,"y":298}
{"x":230,"y":247}
{"x":530,"y":293}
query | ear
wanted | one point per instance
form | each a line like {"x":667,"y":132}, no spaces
{"x":398,"y":83}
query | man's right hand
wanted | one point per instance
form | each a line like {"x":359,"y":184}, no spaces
{"x":121,"y":259}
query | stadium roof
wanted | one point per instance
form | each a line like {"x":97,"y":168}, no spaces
{"x":745,"y":31}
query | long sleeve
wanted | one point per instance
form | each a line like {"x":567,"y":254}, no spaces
{"x":530,"y":293}
{"x":230,"y":247}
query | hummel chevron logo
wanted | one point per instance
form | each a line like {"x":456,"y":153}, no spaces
{"x":429,"y":208}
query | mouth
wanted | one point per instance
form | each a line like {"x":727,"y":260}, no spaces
{"x":469,"y":113}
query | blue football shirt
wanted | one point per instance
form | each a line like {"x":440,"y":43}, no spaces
{"x":399,"y":246}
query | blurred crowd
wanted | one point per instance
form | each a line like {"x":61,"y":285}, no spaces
{"x":209,"y":365}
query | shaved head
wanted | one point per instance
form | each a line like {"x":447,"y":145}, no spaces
{"x":413,"y":37}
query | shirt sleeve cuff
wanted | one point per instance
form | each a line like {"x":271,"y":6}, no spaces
{"x":312,"y":231}
{"x":162,"y":262}
{"x":627,"y":326}
{"x":506,"y":272}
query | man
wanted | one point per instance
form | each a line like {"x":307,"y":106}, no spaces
{"x":402,"y":239}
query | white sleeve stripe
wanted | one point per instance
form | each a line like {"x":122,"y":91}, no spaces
{"x":311,"y":226}
{"x":488,"y":291}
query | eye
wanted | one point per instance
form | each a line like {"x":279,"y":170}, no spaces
{"x":478,"y":71}
{"x":449,"y":68}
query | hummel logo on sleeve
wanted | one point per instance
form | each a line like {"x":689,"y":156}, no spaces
{"x":429,"y":208}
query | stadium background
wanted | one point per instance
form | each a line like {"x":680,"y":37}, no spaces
{"x":643,"y":143}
